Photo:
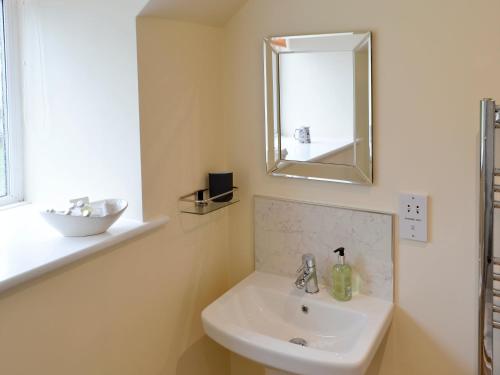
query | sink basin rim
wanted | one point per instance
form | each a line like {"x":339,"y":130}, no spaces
{"x":281,"y":354}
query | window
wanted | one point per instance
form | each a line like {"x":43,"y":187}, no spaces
{"x":11,"y":152}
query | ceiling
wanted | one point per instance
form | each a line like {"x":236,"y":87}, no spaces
{"x":209,"y":12}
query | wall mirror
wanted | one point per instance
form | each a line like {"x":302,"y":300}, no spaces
{"x":319,"y":107}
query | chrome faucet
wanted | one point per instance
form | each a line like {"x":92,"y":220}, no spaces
{"x":307,"y":274}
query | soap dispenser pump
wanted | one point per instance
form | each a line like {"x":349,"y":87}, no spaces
{"x":342,"y":274}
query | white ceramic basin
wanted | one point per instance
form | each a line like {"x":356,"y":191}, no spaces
{"x":259,"y":316}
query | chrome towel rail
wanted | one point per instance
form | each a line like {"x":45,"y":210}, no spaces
{"x":490,"y":121}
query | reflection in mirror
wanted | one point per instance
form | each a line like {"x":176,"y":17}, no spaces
{"x":318,"y":107}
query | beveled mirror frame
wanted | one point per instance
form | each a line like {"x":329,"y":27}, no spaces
{"x":276,"y":166}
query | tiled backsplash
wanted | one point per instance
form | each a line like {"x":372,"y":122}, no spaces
{"x":284,"y":230}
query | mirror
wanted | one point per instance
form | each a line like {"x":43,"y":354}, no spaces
{"x":319,"y":107}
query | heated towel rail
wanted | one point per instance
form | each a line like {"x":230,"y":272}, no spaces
{"x":489,"y":292}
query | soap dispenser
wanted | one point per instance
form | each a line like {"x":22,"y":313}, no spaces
{"x":342,"y":274}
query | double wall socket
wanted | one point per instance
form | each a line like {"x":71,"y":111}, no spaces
{"x":413,"y":217}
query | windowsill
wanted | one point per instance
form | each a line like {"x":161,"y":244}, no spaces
{"x":29,"y":247}
{"x":13,"y":205}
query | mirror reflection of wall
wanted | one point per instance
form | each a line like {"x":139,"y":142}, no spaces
{"x":316,"y":91}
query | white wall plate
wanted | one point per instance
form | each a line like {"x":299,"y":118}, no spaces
{"x":413,"y":217}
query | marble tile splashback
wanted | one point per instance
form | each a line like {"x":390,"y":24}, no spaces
{"x":284,"y":230}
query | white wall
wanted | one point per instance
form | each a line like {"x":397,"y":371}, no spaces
{"x":81,"y":101}
{"x":316,"y":90}
{"x":136,"y":309}
{"x":432,"y":63}
{"x":211,"y":13}
{"x":426,"y":140}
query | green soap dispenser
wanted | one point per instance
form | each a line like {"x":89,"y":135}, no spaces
{"x":342,"y":275}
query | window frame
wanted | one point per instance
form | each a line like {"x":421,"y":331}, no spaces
{"x":14,"y":132}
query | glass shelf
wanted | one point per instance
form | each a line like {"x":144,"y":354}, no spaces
{"x":199,"y":203}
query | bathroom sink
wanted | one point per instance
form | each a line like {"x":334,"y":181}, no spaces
{"x":259,"y":316}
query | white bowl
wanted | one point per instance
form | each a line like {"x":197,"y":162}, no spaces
{"x":80,"y":226}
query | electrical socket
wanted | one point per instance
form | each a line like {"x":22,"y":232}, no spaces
{"x":413,"y":217}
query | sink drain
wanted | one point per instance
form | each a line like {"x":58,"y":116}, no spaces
{"x":299,"y":341}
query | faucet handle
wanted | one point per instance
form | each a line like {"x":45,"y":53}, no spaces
{"x":301,"y":268}
{"x":308,"y":260}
